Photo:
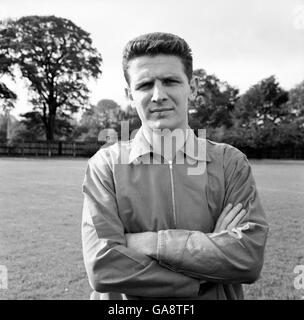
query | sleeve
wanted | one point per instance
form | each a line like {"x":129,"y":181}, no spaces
{"x":110,"y":265}
{"x":234,"y":256}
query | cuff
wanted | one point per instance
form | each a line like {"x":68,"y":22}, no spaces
{"x":170,"y":247}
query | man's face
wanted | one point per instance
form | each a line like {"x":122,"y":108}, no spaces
{"x":159,"y":90}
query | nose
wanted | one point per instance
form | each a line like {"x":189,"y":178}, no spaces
{"x":159,"y":93}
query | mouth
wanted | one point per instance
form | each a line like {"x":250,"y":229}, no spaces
{"x":161,"y":110}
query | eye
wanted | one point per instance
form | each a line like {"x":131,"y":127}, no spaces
{"x":145,"y":86}
{"x":169,"y":82}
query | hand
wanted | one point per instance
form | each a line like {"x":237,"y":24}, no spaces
{"x":143,"y":242}
{"x":229,"y":218}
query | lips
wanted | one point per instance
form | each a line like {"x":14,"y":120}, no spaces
{"x":161,"y":110}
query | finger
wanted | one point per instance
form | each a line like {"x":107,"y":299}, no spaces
{"x":129,"y":237}
{"x":223,"y":214}
{"x":221,"y":217}
{"x":237,"y":219}
{"x":231,"y":215}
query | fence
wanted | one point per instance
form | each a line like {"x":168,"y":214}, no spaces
{"x":286,"y":152}
{"x":87,"y":149}
{"x":57,"y":148}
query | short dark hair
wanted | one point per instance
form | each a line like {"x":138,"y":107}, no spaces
{"x":152,"y":44}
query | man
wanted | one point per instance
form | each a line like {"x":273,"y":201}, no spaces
{"x":182,"y":222}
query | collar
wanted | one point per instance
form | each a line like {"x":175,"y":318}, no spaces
{"x":194,"y":147}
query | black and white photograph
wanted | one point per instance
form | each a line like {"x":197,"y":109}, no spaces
{"x":152,"y":150}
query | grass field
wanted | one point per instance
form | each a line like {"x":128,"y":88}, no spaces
{"x":40,"y":240}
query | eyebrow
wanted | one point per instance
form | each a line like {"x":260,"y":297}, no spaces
{"x":148,"y":80}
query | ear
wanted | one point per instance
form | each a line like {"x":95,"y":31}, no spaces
{"x":128,"y":94}
{"x":193,"y":88}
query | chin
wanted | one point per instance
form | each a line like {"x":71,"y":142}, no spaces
{"x":162,"y":124}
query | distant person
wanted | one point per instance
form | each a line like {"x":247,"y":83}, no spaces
{"x":181,"y":222}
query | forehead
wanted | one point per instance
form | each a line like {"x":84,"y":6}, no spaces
{"x":156,"y":66}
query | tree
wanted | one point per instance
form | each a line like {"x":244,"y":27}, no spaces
{"x":7,"y":96}
{"x":109,"y":112}
{"x":261,"y":115}
{"x":7,"y":99}
{"x":34,"y":129}
{"x":56,"y":58}
{"x":213,"y":104}
{"x":130,"y":114}
{"x":9,"y":125}
{"x":295,"y":121}
{"x":296,"y":102}
{"x":106,"y":114}
{"x":6,"y":93}
{"x":3,"y":127}
{"x":263,"y":103}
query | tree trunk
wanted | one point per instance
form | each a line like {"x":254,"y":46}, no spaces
{"x":50,"y":132}
{"x":50,"y":129}
{"x":8,"y":125}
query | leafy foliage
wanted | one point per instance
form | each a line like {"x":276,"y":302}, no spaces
{"x":263,"y":103}
{"x":262,"y":116}
{"x":106,"y":114}
{"x":213,"y":104}
{"x":6,"y":93}
{"x":56,"y":57}
{"x":7,"y":96}
{"x":296,"y":102}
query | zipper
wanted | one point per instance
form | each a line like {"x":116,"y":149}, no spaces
{"x":172,"y":192}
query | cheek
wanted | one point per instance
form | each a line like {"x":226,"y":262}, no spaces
{"x":141,"y":105}
{"x":180,"y":96}
{"x":182,"y":101}
{"x":140,"y":99}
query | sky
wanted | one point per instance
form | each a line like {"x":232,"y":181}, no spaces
{"x":240,"y":41}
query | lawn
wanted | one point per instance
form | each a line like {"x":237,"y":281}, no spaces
{"x":40,"y":240}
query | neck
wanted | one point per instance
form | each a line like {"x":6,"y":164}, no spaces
{"x":166,"y":142}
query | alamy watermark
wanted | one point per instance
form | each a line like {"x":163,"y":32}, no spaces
{"x":164,"y":142}
{"x":3,"y":277}
{"x":299,"y":279}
